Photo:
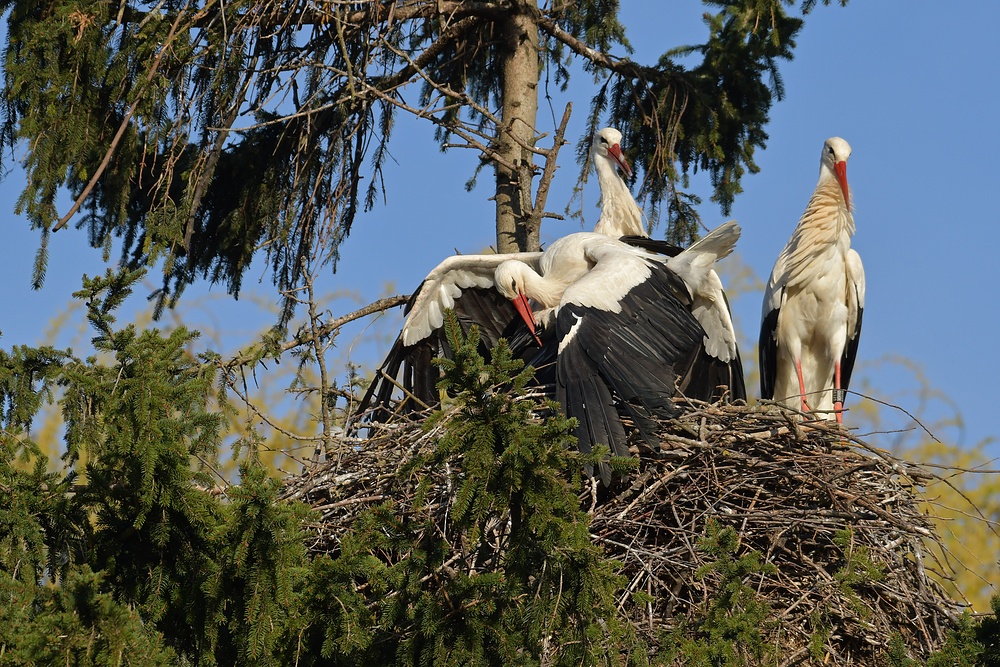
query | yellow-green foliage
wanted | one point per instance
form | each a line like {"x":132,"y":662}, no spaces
{"x":966,"y":508}
{"x":965,"y":502}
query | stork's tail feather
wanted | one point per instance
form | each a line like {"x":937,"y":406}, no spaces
{"x":694,"y":264}
{"x":719,"y":242}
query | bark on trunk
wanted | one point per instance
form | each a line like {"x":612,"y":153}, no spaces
{"x":515,"y":232}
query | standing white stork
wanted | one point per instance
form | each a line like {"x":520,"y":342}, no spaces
{"x":815,"y":299}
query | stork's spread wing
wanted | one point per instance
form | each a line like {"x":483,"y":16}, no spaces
{"x":407,"y":379}
{"x":444,"y":286}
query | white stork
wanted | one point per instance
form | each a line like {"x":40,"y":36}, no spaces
{"x":620,"y":321}
{"x":815,"y":299}
{"x":622,"y":218}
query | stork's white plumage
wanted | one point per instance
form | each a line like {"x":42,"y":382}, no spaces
{"x":815,"y":298}
{"x":620,"y":214}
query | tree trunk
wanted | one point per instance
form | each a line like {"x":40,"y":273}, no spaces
{"x":520,"y":106}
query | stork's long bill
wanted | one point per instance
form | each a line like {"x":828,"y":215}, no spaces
{"x":841,"y":169}
{"x":616,"y":154}
{"x":524,"y":310}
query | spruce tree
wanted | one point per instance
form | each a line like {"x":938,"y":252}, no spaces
{"x":541,"y":592}
{"x":130,"y":551}
{"x":127,"y":552}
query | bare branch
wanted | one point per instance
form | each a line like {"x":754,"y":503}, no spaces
{"x":306,"y":337}
{"x":549,"y":172}
{"x":621,"y":66}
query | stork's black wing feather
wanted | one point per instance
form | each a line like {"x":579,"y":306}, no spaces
{"x":634,"y":356}
{"x":737,"y":383}
{"x":711,"y":379}
{"x":850,"y":353}
{"x":767,"y":353}
{"x":655,"y":341}
{"x":586,"y":397}
{"x":652,"y":245}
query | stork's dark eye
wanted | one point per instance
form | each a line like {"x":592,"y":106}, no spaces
{"x":513,"y":285}
{"x":603,"y":140}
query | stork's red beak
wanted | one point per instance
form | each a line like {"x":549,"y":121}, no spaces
{"x":616,"y":154}
{"x":841,"y":169}
{"x":524,"y":310}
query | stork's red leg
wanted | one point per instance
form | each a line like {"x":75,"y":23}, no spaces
{"x":838,"y":393}
{"x":802,"y":386}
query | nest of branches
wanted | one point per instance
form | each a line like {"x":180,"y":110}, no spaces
{"x":843,"y":545}
{"x":840,"y":521}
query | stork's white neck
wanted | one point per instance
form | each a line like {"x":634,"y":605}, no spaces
{"x":544,"y":290}
{"x":827,"y":212}
{"x":620,"y":214}
{"x":825,"y":229}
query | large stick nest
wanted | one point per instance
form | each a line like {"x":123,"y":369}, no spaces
{"x":842,"y":522}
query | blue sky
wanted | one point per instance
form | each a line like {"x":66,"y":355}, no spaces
{"x":913,"y":88}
